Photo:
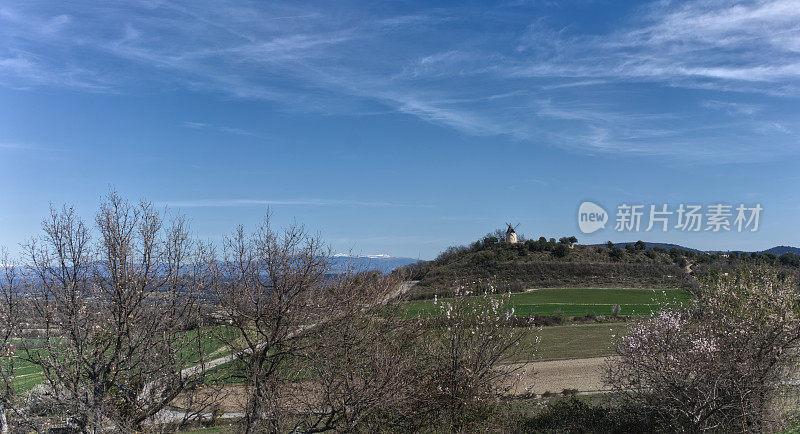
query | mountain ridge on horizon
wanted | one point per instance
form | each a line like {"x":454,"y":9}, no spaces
{"x":777,"y":250}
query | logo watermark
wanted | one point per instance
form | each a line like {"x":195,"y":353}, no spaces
{"x":591,"y":217}
{"x":717,"y":217}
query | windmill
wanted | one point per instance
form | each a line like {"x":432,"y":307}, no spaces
{"x":511,"y":234}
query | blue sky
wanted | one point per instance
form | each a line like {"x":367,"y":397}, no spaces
{"x":402,"y":127}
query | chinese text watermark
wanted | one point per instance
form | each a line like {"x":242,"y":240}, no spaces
{"x":717,"y":217}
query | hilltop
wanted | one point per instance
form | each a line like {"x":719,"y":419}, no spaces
{"x":777,"y":250}
{"x":651,"y":245}
{"x":563,"y":263}
{"x":780,"y":250}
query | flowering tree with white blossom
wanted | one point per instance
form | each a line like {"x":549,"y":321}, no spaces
{"x":472,"y":354}
{"x":718,"y":364}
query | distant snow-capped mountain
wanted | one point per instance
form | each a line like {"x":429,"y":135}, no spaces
{"x":382,"y":262}
{"x":378,"y":256}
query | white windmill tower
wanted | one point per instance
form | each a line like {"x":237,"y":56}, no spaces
{"x":511,"y":234}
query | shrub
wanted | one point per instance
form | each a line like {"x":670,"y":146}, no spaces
{"x":615,"y":310}
{"x":561,"y":250}
{"x":558,"y":316}
{"x":567,"y":240}
{"x":717,"y":365}
{"x":489,"y":241}
{"x":542,"y":320}
{"x":42,"y":401}
{"x":516,"y":286}
{"x":573,"y":415}
{"x":790,"y":259}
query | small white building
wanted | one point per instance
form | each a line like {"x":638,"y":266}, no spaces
{"x":511,"y":235}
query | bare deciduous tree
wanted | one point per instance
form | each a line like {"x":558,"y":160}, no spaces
{"x":9,"y":333}
{"x":268,"y":288}
{"x":361,"y":365}
{"x":718,"y":365}
{"x":318,"y":350}
{"x":114,"y":312}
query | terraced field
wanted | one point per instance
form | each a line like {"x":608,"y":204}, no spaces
{"x":26,"y":375}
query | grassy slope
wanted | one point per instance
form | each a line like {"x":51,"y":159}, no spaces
{"x":28,"y":375}
{"x":577,"y":301}
{"x":517,"y":266}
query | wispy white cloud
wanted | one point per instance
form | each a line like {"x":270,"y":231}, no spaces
{"x":23,"y":147}
{"x":194,"y":125}
{"x":709,"y":44}
{"x":222,"y":128}
{"x":522,"y":77}
{"x":732,"y":108}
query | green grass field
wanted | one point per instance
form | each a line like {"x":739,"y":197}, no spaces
{"x":577,"y":341}
{"x":27,"y":375}
{"x":577,"y":301}
{"x":574,"y":341}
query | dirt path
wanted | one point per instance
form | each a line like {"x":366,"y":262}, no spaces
{"x":585,"y":375}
